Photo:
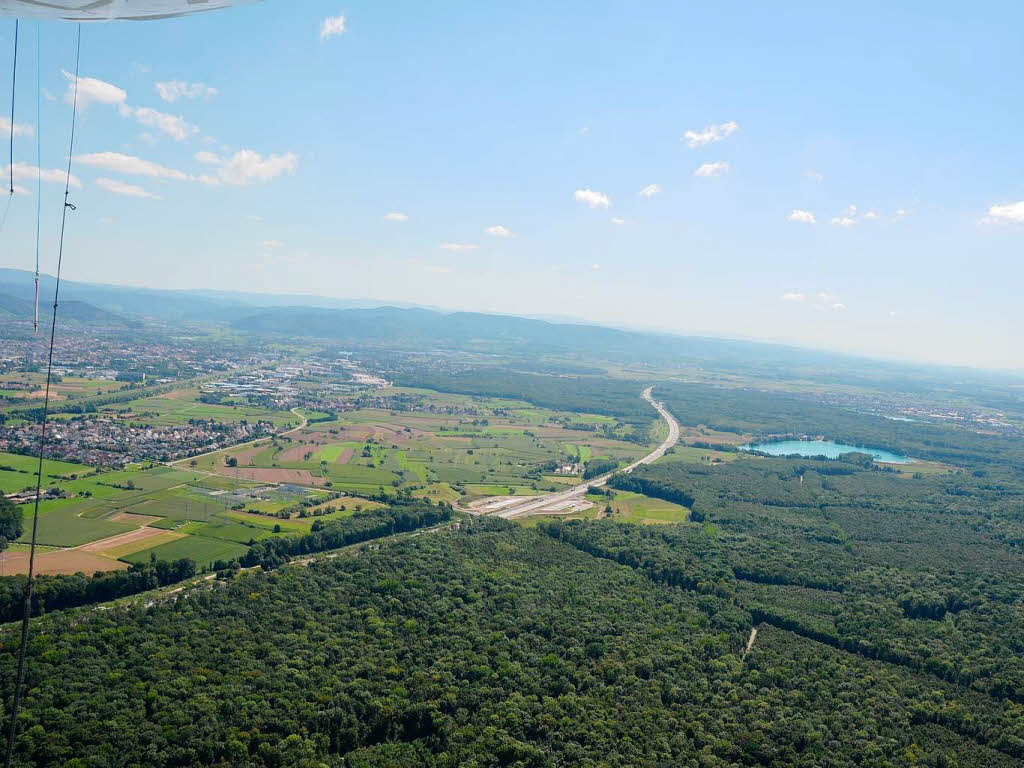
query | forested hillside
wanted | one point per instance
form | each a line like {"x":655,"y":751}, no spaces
{"x":489,"y":646}
{"x":926,"y":573}
{"x":766,"y":414}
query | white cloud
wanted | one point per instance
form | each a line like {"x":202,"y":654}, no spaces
{"x":618,"y":220}
{"x":272,"y":245}
{"x":827,"y":298}
{"x":793,"y":296}
{"x":91,"y":90}
{"x":710,"y":134}
{"x":20,"y":129}
{"x":128,"y":190}
{"x":332,"y":27}
{"x":25,"y":172}
{"x":707,"y":170}
{"x":649,"y":191}
{"x":899,"y":215}
{"x":592,"y":199}
{"x":814,"y":175}
{"x":1008,"y":213}
{"x":838,"y":307}
{"x":847,"y":219}
{"x":458,"y":247}
{"x":871,"y":216}
{"x":595,"y":266}
{"x":176,"y":127}
{"x":437,"y":269}
{"x":134,"y":166}
{"x":246,"y":167}
{"x":395,"y":216}
{"x":173,"y":90}
{"x":801,"y":217}
{"x":499,"y":231}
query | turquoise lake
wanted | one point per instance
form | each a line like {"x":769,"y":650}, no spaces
{"x":824,"y":448}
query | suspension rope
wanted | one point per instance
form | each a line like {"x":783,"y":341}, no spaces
{"x":14,"y":83}
{"x":39,"y":164}
{"x":42,"y":434}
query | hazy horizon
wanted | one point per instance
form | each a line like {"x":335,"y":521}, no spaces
{"x":819,"y":178}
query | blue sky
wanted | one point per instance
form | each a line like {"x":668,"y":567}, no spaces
{"x":896,"y":129}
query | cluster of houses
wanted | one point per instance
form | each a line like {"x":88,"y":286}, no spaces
{"x":106,"y":442}
{"x":312,"y":385}
{"x":29,"y":496}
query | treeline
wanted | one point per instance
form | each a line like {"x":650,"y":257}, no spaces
{"x":96,"y":402}
{"x":57,"y":593}
{"x":488,"y":646}
{"x":402,"y":517}
{"x":621,"y":399}
{"x":770,"y":414}
{"x":923,"y":572}
{"x":639,"y":483}
{"x":597,"y":467}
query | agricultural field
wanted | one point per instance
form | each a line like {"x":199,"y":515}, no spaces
{"x":178,"y":406}
{"x":105,"y":520}
{"x":28,"y":387}
{"x":629,"y":507}
{"x":439,"y":446}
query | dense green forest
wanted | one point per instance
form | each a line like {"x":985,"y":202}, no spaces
{"x":610,"y":397}
{"x":55,"y":593}
{"x":769,"y":414}
{"x":924,"y":572}
{"x":888,"y":610}
{"x":489,"y":646}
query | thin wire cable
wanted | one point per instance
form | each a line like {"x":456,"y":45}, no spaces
{"x":14,"y":84}
{"x":13,"y":731}
{"x":39,"y":164}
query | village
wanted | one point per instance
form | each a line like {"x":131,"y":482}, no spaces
{"x":108,"y":442}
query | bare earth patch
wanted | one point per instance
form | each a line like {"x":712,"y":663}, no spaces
{"x":344,"y":457}
{"x":298,"y":452}
{"x":245,"y":457}
{"x":297,"y":476}
{"x":66,"y":561}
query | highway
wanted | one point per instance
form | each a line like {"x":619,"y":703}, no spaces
{"x":534,"y":503}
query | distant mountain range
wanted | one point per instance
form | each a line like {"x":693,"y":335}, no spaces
{"x":203,"y":306}
{"x":361,"y":322}
{"x":13,"y":308}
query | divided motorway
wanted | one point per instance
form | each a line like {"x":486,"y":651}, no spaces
{"x":534,"y":503}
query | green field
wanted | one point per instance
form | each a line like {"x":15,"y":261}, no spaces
{"x":628,"y":507}
{"x":201,"y":549}
{"x":178,"y":407}
{"x":449,"y":448}
{"x":498,"y":443}
{"x":63,"y":528}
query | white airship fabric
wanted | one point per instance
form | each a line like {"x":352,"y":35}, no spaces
{"x":109,"y":10}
